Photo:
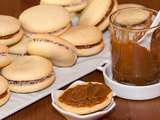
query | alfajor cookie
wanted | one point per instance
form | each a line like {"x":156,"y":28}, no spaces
{"x":133,"y":17}
{"x":70,"y":5}
{"x":28,"y":74}
{"x":127,"y":5}
{"x":91,"y":97}
{"x":4,"y":91}
{"x":97,"y":13}
{"x":45,"y":19}
{"x":4,"y":57}
{"x":87,"y":39}
{"x":60,"y":51}
{"x":10,"y":30}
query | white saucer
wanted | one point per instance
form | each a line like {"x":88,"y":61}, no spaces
{"x":128,"y":91}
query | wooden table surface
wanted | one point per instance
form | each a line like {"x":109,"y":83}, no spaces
{"x":124,"y":110}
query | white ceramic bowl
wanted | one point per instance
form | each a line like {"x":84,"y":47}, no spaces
{"x":72,"y":116}
{"x":128,"y":91}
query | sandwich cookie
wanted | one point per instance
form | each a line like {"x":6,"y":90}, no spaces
{"x":60,"y":51}
{"x":28,"y":74}
{"x":97,"y":13}
{"x":4,"y":91}
{"x":10,"y":30}
{"x":70,"y":5}
{"x":127,"y":5}
{"x":91,"y":97}
{"x":4,"y":57}
{"x":133,"y":17}
{"x":45,"y":19}
{"x":87,"y":39}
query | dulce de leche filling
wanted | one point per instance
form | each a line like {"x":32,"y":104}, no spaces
{"x":85,"y":95}
{"x":3,"y":94}
{"x":9,"y":36}
{"x":29,"y":82}
{"x":59,"y":31}
{"x":88,"y":46}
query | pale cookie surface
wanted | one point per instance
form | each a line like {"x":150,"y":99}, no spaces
{"x":8,"y":25}
{"x":131,"y":16}
{"x":3,"y":85}
{"x":60,"y":51}
{"x":127,"y":5}
{"x":87,"y":39}
{"x":70,"y":5}
{"x":83,"y":35}
{"x":4,"y":58}
{"x":27,"y":68}
{"x":95,"y":12}
{"x":45,"y":18}
{"x":21,"y":47}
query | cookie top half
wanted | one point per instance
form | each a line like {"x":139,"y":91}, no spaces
{"x":45,"y":18}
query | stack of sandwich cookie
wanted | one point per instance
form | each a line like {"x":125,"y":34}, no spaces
{"x":10,"y":30}
{"x":87,"y":39}
{"x":60,"y":51}
{"x":4,"y":57}
{"x":28,"y":74}
{"x":97,"y":13}
{"x":45,"y":19}
{"x":70,"y":5}
{"x":4,"y":91}
{"x":91,"y":97}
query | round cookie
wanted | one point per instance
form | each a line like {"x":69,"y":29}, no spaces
{"x":4,"y":91}
{"x":87,"y":39}
{"x":131,"y":16}
{"x":91,"y":97}
{"x":97,"y":13}
{"x":45,"y":19}
{"x":61,"y":52}
{"x":28,"y":74}
{"x":10,"y":30}
{"x":70,"y":5}
{"x":4,"y":57}
{"x":127,"y":5}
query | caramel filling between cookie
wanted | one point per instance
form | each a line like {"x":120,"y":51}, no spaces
{"x":18,"y":54}
{"x":107,"y":13}
{"x":54,"y":32}
{"x":3,"y":54}
{"x":4,"y":94}
{"x":56,"y":43}
{"x":9,"y":36}
{"x":88,"y":46}
{"x":85,"y":95}
{"x":74,"y":4}
{"x":29,"y":82}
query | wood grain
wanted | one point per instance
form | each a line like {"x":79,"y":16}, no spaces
{"x":125,"y":109}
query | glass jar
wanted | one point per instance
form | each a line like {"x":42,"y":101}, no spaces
{"x":133,"y":63}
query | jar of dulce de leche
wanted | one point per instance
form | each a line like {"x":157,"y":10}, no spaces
{"x":135,"y":57}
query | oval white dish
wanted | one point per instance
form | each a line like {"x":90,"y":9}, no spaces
{"x":72,"y":116}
